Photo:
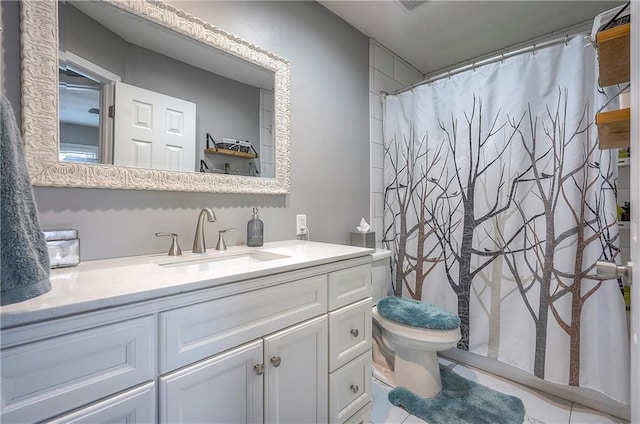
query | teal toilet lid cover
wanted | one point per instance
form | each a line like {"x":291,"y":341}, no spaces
{"x":417,"y":314}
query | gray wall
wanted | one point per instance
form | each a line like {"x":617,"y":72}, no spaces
{"x":329,"y":143}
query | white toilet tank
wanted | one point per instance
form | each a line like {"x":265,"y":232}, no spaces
{"x":381,"y":274}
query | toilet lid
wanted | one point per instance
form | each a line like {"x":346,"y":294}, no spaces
{"x":417,"y":314}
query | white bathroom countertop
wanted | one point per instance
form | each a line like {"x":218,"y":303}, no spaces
{"x":106,"y":283}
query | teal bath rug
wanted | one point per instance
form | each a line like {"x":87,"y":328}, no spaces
{"x":461,"y":402}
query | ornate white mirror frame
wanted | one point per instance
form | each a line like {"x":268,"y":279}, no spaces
{"x":39,"y":36}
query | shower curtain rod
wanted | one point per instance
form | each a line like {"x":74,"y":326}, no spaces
{"x":479,"y":63}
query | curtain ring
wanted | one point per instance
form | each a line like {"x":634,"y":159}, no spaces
{"x":502,"y":58}
{"x":449,"y":74}
{"x":566,"y":40}
{"x":473,"y":66}
{"x":534,"y":49}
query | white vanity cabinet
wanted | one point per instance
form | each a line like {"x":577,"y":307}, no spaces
{"x":48,"y":371}
{"x":285,"y":347}
{"x":350,"y":326}
{"x":131,"y":407}
{"x":223,"y":389}
{"x":194,"y":332}
{"x":283,"y":375}
{"x":296,"y":379}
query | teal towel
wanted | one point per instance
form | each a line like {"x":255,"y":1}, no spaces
{"x":417,"y":314}
{"x":24,"y":270}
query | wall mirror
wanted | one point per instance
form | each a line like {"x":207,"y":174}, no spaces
{"x":141,"y":95}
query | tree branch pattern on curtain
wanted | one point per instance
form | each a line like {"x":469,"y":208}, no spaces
{"x":498,"y":203}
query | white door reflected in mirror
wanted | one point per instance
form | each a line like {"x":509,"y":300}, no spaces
{"x":153,"y":130}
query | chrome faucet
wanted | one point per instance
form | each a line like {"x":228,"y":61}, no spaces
{"x":199,"y":245}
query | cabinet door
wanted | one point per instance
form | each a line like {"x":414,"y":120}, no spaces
{"x":223,"y":389}
{"x":296,"y":365}
{"x":132,"y":407}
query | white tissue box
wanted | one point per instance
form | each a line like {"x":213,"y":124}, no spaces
{"x":367,"y":239}
{"x":64,"y":247}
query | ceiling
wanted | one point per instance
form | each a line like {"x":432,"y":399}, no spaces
{"x":440,"y":34}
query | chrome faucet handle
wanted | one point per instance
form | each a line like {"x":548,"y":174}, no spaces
{"x":221,"y":244}
{"x":199,"y":245}
{"x":174,"y":250}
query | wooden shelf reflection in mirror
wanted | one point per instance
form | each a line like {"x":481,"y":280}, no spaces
{"x":227,"y":152}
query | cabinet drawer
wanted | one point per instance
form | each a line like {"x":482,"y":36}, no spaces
{"x":195,"y":332}
{"x":349,"y":285}
{"x":49,"y":377}
{"x":349,"y":333}
{"x":350,"y":388}
{"x":362,"y":416}
{"x":132,"y":407}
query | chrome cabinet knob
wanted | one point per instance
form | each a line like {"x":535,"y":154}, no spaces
{"x":276,"y":361}
{"x":355,"y":332}
{"x":259,"y":369}
{"x":354,"y":388}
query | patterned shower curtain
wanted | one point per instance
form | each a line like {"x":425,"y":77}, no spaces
{"x":498,"y":203}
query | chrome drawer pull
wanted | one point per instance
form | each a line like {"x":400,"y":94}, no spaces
{"x":354,"y":388}
{"x":355,"y":332}
{"x":276,"y":361}
{"x":259,"y":369}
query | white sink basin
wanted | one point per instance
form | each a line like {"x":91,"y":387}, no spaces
{"x":208,"y":261}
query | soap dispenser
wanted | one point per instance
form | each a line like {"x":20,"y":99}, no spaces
{"x":255,"y":230}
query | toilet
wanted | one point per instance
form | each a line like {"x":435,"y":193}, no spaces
{"x":407,"y":335}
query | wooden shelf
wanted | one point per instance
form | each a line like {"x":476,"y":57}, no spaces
{"x":227,"y":152}
{"x":614,"y":128}
{"x":614,"y":47}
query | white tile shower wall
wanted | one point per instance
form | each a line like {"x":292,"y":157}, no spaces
{"x":387,"y":73}
{"x":382,"y":59}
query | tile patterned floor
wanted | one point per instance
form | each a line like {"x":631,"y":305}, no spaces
{"x":541,"y":408}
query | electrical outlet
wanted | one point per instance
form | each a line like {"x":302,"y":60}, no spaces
{"x":301,"y":225}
